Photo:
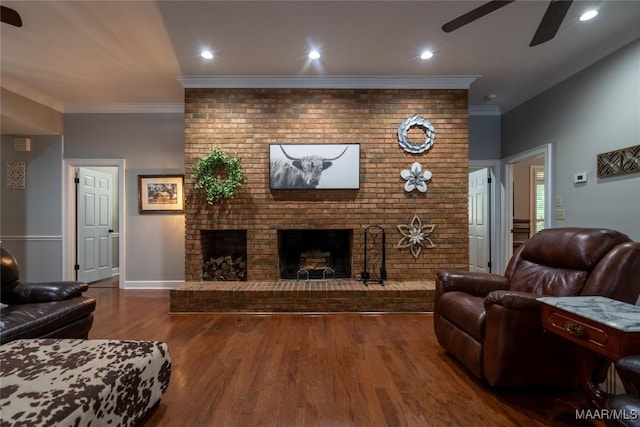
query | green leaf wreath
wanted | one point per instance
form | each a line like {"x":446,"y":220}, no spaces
{"x":206,"y":172}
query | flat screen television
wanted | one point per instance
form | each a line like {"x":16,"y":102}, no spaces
{"x":314,"y":166}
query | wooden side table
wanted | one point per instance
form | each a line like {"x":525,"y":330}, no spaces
{"x":608,"y":328}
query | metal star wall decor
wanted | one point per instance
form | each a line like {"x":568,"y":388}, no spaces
{"x":416,"y":236}
{"x":416,"y":178}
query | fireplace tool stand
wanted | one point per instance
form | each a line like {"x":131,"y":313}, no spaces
{"x":374,"y":255}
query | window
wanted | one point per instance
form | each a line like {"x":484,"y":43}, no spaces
{"x":537,"y":197}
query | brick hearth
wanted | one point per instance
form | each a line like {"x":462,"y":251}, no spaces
{"x":303,"y":296}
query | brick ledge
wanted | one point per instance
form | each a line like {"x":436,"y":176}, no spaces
{"x":302,"y":296}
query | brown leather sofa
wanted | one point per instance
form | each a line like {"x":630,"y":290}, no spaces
{"x":491,"y":323}
{"x":41,"y":310}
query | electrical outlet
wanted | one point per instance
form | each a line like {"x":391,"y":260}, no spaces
{"x":560,"y":213}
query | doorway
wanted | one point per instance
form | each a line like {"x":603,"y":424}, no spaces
{"x":70,"y":234}
{"x":528,"y":199}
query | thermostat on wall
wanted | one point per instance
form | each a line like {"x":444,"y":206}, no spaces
{"x":580,"y":177}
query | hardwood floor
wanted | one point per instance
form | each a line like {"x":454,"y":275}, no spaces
{"x":111,"y":282}
{"x":309,"y":370}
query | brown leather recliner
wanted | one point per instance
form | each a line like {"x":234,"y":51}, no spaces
{"x":492,"y":324}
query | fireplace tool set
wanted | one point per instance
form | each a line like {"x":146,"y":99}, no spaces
{"x":374,"y":255}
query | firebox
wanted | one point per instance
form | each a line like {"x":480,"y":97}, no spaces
{"x":315,"y":254}
{"x":224,"y":254}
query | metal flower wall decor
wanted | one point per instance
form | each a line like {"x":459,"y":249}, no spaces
{"x":416,"y":178}
{"x":416,"y":236}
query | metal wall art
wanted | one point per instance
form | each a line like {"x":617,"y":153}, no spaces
{"x":416,"y":178}
{"x":619,"y":162}
{"x":416,"y":122}
{"x":16,"y":175}
{"x":416,"y":236}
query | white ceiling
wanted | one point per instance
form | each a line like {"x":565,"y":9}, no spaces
{"x":79,"y":56}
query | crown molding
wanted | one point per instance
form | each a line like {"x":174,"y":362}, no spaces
{"x":50,"y":102}
{"x":124,"y":108}
{"x":132,"y":108}
{"x":327,"y":82}
{"x":32,"y":94}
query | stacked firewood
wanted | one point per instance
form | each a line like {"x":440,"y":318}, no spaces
{"x":229,"y":267}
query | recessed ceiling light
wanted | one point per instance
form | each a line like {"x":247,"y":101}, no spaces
{"x":314,"y":54}
{"x":589,"y":15}
{"x":206,"y":54}
{"x":426,"y":54}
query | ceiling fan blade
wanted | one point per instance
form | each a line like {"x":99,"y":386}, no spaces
{"x":474,"y":14}
{"x":10,"y":16}
{"x":551,"y":21}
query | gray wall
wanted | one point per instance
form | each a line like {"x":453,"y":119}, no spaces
{"x":150,"y":144}
{"x":31,"y":218}
{"x":592,"y":112}
{"x":484,"y":137}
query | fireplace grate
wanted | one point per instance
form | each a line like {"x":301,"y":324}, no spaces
{"x":315,"y":254}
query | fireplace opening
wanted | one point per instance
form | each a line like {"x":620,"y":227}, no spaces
{"x":315,"y":254}
{"x":224,"y":255}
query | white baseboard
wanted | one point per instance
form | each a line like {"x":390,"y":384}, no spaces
{"x":152,"y":284}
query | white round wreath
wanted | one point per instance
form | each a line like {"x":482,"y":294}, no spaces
{"x":417,"y":122}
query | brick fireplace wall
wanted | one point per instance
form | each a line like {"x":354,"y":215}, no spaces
{"x":246,"y":121}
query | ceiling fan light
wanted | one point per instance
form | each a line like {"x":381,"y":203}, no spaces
{"x":588,"y":15}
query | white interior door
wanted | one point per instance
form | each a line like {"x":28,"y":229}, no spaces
{"x":94,"y":225}
{"x":479,"y":221}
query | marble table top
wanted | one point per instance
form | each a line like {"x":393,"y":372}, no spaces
{"x":616,"y":314}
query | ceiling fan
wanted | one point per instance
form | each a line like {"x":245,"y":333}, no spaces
{"x":10,"y":16}
{"x":547,"y":29}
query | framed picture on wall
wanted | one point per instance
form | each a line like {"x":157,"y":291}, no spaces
{"x":314,"y":166}
{"x":160,"y":194}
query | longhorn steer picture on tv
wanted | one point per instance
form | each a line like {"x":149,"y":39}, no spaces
{"x":314,"y":166}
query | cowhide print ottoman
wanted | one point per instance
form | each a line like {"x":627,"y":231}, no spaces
{"x":74,"y":382}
